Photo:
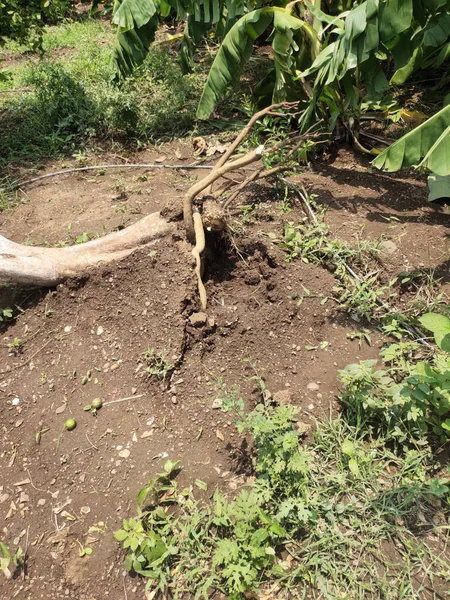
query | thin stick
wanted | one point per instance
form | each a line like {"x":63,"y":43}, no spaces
{"x":4,"y":372}
{"x":93,"y":445}
{"x":122,"y":400}
{"x":125,"y":588}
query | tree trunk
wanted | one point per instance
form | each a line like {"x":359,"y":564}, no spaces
{"x":46,"y":267}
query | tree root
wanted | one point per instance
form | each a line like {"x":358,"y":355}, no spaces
{"x":197,"y":254}
{"x":46,"y":267}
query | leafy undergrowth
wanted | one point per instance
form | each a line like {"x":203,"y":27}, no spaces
{"x":66,"y":100}
{"x":343,"y":516}
{"x":360,"y":509}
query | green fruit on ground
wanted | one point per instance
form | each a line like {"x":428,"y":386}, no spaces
{"x":70,"y":424}
{"x":97,"y":403}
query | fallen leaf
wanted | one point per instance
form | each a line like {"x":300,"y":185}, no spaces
{"x":220,"y":148}
{"x":23,"y":482}
{"x":199,"y":145}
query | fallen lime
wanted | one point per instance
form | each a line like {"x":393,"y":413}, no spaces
{"x":70,"y":424}
{"x":97,"y":403}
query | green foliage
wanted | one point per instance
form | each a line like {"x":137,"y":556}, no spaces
{"x":6,"y":314}
{"x":136,"y":25}
{"x":24,"y":19}
{"x":71,"y":102}
{"x":320,"y":505}
{"x":7,"y":560}
{"x":310,"y":243}
{"x":440,"y":326}
{"x":414,"y":405}
{"x":362,"y":296}
{"x":424,"y":146}
{"x":157,"y":363}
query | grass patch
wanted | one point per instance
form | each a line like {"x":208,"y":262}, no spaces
{"x":69,"y":100}
{"x":340,"y":517}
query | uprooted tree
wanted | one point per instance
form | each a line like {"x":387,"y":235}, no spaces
{"x":49,"y":266}
{"x":331,"y":66}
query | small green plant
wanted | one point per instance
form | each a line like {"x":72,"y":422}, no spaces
{"x":6,"y":314}
{"x":361,"y":296}
{"x":7,"y":560}
{"x":84,"y":237}
{"x":157,"y":363}
{"x":362,"y":335}
{"x":15,"y":346}
{"x":407,"y":401}
{"x":84,"y":550}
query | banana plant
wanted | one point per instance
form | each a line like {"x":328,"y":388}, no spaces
{"x":136,"y":23}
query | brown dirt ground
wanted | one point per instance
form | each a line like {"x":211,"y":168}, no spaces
{"x":86,"y":339}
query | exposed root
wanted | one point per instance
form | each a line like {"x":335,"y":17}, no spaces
{"x":46,"y":267}
{"x":198,"y":187}
{"x":197,"y":254}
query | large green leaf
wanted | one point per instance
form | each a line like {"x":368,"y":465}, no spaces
{"x":131,"y":47}
{"x":439,"y":188}
{"x":235,"y":50}
{"x":395,"y":16}
{"x":427,"y":146}
{"x":136,"y":22}
{"x":131,"y":14}
{"x":289,"y":49}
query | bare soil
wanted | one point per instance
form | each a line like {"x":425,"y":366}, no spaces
{"x":86,"y":339}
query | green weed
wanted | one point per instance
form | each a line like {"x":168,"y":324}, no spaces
{"x":69,"y":101}
{"x":8,"y":560}
{"x":157,"y":363}
{"x":6,"y":314}
{"x":314,"y":521}
{"x":361,"y":296}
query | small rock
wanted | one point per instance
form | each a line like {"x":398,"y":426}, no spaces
{"x":15,"y":401}
{"x":146,"y":434}
{"x":134,"y":437}
{"x":124,"y":453}
{"x":310,"y":406}
{"x":133,"y":391}
{"x":217,"y":403}
{"x":302,"y":428}
{"x":267,"y":395}
{"x":4,"y":498}
{"x":23,"y":498}
{"x":60,"y":409}
{"x":211,"y":322}
{"x":252,"y":277}
{"x":114,"y":367}
{"x":174,"y":400}
{"x":388,"y":247}
{"x":67,"y":329}
{"x":41,"y":502}
{"x":312,"y":387}
{"x":283,"y":397}
{"x":99,"y":330}
{"x":85,"y":510}
{"x":19,"y":422}
{"x":198,"y":319}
